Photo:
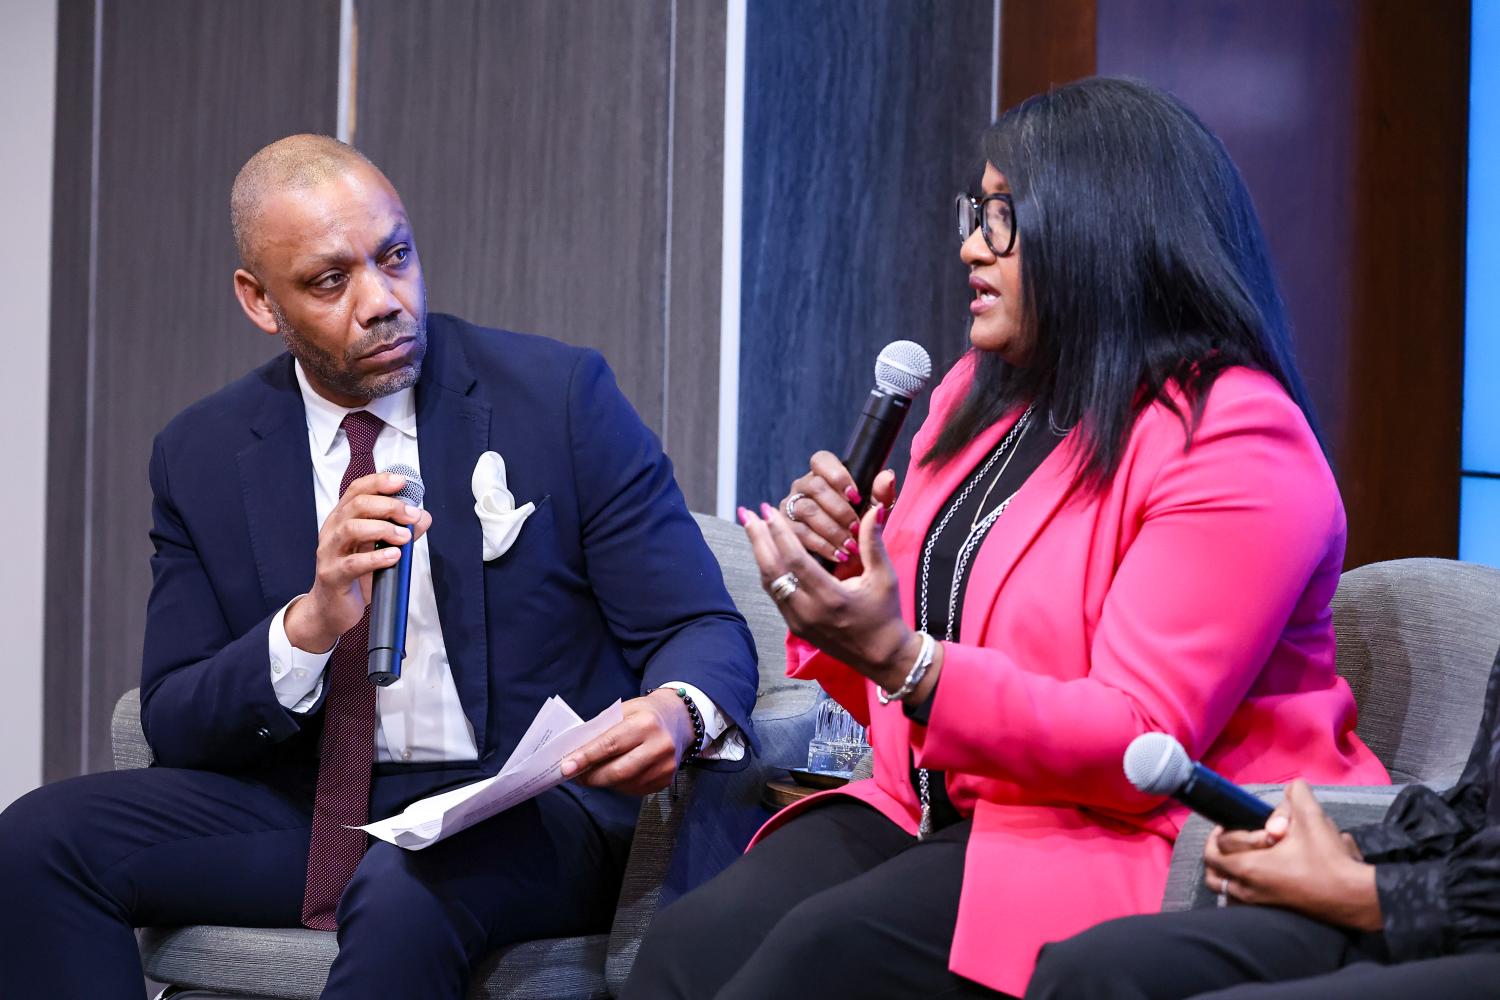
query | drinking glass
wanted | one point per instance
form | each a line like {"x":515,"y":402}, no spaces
{"x":838,"y":741}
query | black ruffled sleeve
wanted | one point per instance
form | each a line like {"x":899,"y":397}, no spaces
{"x":1422,"y":824}
{"x":1437,"y":858}
{"x":1444,"y":906}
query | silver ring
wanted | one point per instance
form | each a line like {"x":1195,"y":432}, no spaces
{"x":789,"y":507}
{"x":783,"y":586}
{"x":1224,"y":892}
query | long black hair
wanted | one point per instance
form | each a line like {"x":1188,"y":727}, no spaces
{"x":1143,"y":266}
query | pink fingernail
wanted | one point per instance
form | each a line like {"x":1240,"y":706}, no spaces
{"x":853,"y":494}
{"x":854,"y":529}
{"x":766,"y":511}
{"x":880,"y":514}
{"x":840,"y":555}
{"x":744,"y":515}
{"x":851,"y":545}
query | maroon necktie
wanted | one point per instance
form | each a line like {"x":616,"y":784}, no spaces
{"x":346,"y":755}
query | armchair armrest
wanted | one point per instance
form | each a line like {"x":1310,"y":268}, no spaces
{"x":684,"y":839}
{"x":1348,"y":805}
{"x":129,"y":739}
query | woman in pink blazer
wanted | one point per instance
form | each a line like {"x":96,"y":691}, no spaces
{"x":1117,"y":519}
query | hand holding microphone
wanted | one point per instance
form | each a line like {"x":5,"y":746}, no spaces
{"x":825,"y":504}
{"x":1293,"y":856}
{"x":1301,"y":862}
{"x":347,"y":558}
{"x":855,"y":614}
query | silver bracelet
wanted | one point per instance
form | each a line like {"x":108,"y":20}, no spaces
{"x":918,"y":671}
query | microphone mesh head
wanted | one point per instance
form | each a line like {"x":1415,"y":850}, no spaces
{"x":1157,"y":764}
{"x":413,"y":491}
{"x":902,"y":369}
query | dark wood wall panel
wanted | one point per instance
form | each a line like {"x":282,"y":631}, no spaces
{"x":1275,"y":81}
{"x":1402,"y":463}
{"x":188,"y":91}
{"x":1348,"y":120}
{"x":1044,"y":43}
{"x":858,"y":132}
{"x":530,"y":141}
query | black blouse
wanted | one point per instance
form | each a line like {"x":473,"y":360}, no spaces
{"x":961,"y":511}
{"x":1437,"y":856}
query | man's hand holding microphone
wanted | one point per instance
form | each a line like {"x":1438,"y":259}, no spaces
{"x":347,"y":558}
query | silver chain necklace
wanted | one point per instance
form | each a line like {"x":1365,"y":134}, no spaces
{"x":978,"y":528}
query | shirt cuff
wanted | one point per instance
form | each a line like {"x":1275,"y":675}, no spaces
{"x":721,"y":739}
{"x":296,"y":675}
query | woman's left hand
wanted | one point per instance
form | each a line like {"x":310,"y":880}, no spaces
{"x":856,"y":620}
{"x":1310,"y":868}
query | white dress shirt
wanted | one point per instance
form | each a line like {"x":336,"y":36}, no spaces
{"x":419,"y":718}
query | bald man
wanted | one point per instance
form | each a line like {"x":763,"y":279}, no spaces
{"x":270,"y":741}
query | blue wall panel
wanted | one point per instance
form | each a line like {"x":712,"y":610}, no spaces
{"x":1479,"y":512}
{"x":861,"y":123}
{"x":1479,"y":521}
{"x":1482,"y":304}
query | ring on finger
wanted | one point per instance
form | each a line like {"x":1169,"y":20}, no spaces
{"x":783,"y":586}
{"x":1223,"y":891}
{"x":789,"y":506}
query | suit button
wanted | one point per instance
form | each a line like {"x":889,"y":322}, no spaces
{"x":263,"y":733}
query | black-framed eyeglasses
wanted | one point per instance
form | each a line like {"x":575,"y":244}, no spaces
{"x":994,"y":215}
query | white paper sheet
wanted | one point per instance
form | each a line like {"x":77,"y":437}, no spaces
{"x":534,"y":767}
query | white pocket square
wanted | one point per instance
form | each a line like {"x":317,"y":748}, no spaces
{"x":499,"y":516}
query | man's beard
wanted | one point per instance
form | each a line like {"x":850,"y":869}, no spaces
{"x":339,"y":373}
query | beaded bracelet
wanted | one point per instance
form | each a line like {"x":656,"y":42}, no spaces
{"x":698,"y":731}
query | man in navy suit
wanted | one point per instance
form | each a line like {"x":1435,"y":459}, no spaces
{"x":586,"y":578}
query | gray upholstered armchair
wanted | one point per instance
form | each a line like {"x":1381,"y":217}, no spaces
{"x":710,"y":813}
{"x":1416,"y":638}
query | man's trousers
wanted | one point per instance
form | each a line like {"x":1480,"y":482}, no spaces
{"x":84,"y":861}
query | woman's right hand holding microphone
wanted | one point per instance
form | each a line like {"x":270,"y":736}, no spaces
{"x":854,"y":613}
{"x":824,"y":507}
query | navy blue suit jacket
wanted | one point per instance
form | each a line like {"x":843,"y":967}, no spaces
{"x":608,"y":591}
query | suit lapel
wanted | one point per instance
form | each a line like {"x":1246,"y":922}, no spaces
{"x":452,"y":432}
{"x":1011,"y":535}
{"x":928,"y":490}
{"x":276,"y":482}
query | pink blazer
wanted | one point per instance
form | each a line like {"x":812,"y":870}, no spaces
{"x":1191,"y":597}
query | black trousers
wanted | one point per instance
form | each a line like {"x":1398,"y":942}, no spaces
{"x":85,"y":860}
{"x":839,"y":902}
{"x":1247,"y":953}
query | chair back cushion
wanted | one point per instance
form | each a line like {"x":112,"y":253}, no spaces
{"x":126,"y":735}
{"x":1416,"y":638}
{"x":779,"y":696}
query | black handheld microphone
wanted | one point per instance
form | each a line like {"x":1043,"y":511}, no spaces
{"x":1157,"y":764}
{"x":389,"y":594}
{"x":901,"y":372}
